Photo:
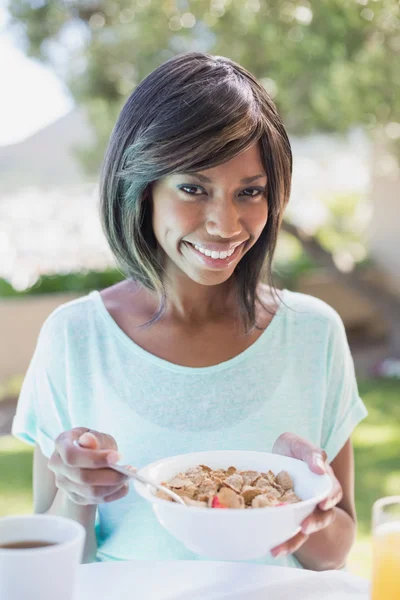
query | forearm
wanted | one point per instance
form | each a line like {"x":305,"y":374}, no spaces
{"x":85,"y":515}
{"x":329,"y":548}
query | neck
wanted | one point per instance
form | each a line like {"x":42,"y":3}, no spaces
{"x":193,"y":304}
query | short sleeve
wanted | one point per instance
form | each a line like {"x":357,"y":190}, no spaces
{"x":42,"y":413}
{"x":344,"y":409}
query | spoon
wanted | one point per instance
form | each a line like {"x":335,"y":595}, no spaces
{"x":129,"y":472}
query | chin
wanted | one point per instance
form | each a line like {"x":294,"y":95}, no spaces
{"x":211,"y":278}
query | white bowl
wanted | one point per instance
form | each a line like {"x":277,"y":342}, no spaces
{"x":235,"y":534}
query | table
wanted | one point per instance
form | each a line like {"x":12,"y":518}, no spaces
{"x":206,"y":580}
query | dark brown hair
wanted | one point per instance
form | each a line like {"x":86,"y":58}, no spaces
{"x":194,"y":112}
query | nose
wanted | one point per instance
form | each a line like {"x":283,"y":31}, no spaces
{"x":223,"y":220}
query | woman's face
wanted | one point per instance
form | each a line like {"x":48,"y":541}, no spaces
{"x":219,"y":211}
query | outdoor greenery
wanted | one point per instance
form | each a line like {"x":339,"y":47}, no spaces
{"x":287,"y":272}
{"x":328,"y":65}
{"x":79,"y":282}
{"x":377,"y":450}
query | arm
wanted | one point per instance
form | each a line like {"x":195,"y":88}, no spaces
{"x":329,"y":547}
{"x":48,"y":499}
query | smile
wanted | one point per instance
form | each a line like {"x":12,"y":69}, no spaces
{"x":217,"y":260}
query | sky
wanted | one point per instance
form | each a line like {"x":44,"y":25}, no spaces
{"x":31,"y":95}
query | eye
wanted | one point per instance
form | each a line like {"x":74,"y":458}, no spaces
{"x":253,"y":192}
{"x":191,"y":190}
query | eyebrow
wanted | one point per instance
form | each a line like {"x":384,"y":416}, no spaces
{"x":208,"y":180}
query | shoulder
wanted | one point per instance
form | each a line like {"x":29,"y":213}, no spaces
{"x":67,"y":318}
{"x":81,"y":316}
{"x":298,"y":307}
{"x":309,"y":306}
{"x":311,"y":312}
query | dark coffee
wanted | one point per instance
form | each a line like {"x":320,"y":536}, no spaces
{"x":26,"y":545}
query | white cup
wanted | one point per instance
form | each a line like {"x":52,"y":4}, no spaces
{"x":42,"y":573}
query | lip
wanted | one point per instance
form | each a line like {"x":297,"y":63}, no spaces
{"x":216,"y":263}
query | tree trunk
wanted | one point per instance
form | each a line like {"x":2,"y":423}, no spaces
{"x":384,"y":227}
{"x":383,"y":298}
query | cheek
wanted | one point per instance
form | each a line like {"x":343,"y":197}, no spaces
{"x":173,"y":221}
{"x":182,"y":220}
{"x":257,"y":220}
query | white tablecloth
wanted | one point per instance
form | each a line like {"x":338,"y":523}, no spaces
{"x":203,"y":580}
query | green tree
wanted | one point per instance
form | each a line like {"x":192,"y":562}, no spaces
{"x":329,"y":64}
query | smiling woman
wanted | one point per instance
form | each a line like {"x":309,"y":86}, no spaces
{"x":191,"y":163}
{"x":194,"y":351}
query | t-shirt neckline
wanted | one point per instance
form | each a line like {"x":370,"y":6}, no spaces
{"x":161,"y":362}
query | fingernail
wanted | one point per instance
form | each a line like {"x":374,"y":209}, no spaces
{"x":277,"y":553}
{"x":87,"y":437}
{"x":304,"y":528}
{"x":113,"y":457}
{"x":308,"y":530}
{"x":320,"y":462}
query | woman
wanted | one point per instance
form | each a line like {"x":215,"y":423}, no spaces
{"x":196,"y":349}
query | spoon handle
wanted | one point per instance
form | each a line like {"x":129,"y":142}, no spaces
{"x":132,"y":474}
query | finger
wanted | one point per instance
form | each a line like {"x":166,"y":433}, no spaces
{"x":96,"y":440}
{"x":55,"y":462}
{"x":77,"y":499}
{"x":294,"y":446}
{"x":317,"y":521}
{"x":332,"y":501}
{"x":117,"y":495}
{"x":95,"y":477}
{"x":335,"y":495}
{"x":74,"y":456}
{"x":290,"y":546}
{"x":317,"y":461}
{"x":92,"y":494}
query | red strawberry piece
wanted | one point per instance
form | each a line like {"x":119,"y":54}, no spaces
{"x":217,"y":504}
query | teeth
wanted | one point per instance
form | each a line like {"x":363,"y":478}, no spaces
{"x":213,"y":253}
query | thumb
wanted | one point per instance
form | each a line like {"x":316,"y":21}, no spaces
{"x":95,"y":440}
{"x":89,"y":440}
{"x":294,"y":446}
{"x":318,"y":464}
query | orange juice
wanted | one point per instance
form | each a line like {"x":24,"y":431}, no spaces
{"x":386,"y":562}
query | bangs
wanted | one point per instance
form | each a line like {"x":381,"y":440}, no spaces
{"x":200,"y":127}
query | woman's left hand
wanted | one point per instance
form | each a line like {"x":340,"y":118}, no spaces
{"x":289,"y":444}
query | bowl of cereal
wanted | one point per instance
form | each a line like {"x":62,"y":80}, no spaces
{"x":239,"y":504}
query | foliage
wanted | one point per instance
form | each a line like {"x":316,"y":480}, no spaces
{"x":328,"y":65}
{"x":377,"y":446}
{"x":290,"y":262}
{"x":287,"y":273}
{"x":82,"y":281}
{"x":15,"y":476}
{"x":343,"y":232}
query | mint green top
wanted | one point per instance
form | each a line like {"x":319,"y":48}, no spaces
{"x":297,"y":376}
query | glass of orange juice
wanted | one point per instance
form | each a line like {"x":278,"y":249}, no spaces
{"x":386,"y":549}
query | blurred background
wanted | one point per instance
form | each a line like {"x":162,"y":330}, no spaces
{"x":332,"y":68}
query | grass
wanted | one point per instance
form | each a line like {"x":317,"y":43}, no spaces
{"x":11,"y":387}
{"x":377,"y":461}
{"x":15,"y":476}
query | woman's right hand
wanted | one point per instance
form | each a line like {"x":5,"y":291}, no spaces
{"x":83,"y":473}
